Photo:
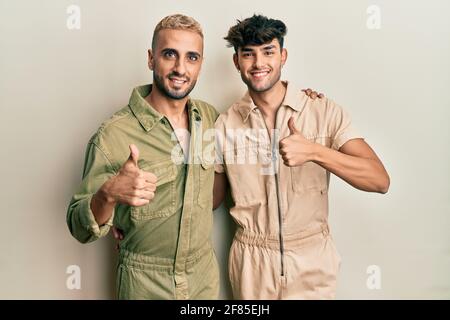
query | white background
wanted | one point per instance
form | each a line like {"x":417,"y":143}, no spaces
{"x":58,"y":85}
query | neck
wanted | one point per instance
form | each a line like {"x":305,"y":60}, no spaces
{"x":270,"y":100}
{"x":171,"y":108}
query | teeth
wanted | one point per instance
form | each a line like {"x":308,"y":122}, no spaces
{"x":260,"y":74}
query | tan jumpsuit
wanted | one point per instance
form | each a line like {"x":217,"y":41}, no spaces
{"x":282,"y":248}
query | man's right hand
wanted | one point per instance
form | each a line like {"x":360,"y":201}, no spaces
{"x":131,"y":186}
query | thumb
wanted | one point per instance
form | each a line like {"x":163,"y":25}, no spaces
{"x":292,"y":127}
{"x":134,"y":154}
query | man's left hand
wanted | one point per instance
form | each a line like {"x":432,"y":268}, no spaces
{"x":118,"y":235}
{"x":313,"y":94}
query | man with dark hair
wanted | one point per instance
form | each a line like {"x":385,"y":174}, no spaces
{"x":256,"y":30}
{"x":283,"y":248}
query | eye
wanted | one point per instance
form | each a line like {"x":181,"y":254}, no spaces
{"x":269,"y":53}
{"x":247,"y":54}
{"x":169,"y":54}
{"x":193,"y":58}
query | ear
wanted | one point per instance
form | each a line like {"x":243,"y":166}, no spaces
{"x":150,"y":59}
{"x":236,"y":61}
{"x":284,"y":55}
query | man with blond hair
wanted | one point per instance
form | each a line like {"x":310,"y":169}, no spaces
{"x":133,"y":177}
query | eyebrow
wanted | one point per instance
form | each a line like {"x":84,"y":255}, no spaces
{"x":194,"y":53}
{"x":168,"y":49}
{"x":268,"y":47}
{"x":191,"y":53}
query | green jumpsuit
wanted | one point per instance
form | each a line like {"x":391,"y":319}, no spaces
{"x":167,"y":251}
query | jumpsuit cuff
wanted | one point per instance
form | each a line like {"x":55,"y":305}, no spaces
{"x":87,"y":219}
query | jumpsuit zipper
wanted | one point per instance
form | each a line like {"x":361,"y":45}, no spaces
{"x":280,"y":217}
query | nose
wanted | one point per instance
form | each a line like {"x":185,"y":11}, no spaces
{"x":180,"y":66}
{"x":258,"y":63}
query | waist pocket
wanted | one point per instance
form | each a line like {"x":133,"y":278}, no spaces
{"x":163,"y":204}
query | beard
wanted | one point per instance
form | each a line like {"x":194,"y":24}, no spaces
{"x":267,"y":86}
{"x":158,"y":80}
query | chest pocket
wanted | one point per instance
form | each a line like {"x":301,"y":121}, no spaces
{"x":163,"y":204}
{"x":206,"y":184}
{"x":310,"y":177}
{"x":248,"y":169}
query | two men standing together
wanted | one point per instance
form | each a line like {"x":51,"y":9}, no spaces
{"x":278,"y":178}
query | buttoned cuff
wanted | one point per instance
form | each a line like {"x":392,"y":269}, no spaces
{"x":87,"y":219}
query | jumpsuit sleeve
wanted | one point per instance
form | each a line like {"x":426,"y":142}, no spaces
{"x":219,"y":166}
{"x":342,"y":129}
{"x":80,"y":219}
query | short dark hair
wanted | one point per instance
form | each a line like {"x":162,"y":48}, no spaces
{"x":256,"y":30}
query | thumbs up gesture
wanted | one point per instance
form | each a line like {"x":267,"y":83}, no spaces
{"x":295,"y":149}
{"x":131,"y":186}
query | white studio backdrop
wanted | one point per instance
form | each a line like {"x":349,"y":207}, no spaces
{"x":386,"y":62}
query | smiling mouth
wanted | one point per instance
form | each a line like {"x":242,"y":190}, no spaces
{"x":177,"y":81}
{"x":259,"y":74}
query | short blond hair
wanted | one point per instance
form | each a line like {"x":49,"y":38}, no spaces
{"x":177,"y":22}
